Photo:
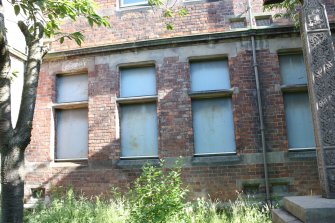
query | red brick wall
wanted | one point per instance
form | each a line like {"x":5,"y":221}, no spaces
{"x":175,"y":129}
{"x":133,"y":24}
{"x":273,"y":109}
{"x":174,"y":106}
{"x":245,"y":103}
{"x":175,"y":133}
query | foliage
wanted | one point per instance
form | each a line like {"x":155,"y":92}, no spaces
{"x":169,"y":11}
{"x":50,"y":13}
{"x":157,"y":195}
{"x":73,"y":209}
{"x":288,"y":9}
{"x":242,"y":210}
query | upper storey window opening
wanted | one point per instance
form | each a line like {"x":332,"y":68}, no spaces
{"x":126,"y":3}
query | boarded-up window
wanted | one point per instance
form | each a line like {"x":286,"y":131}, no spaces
{"x":263,"y":21}
{"x":298,"y":120}
{"x":72,"y":88}
{"x":138,"y":82}
{"x":213,"y":126}
{"x":72,"y":134}
{"x":298,"y":115}
{"x":139,"y":137}
{"x":237,"y":23}
{"x":212,"y":117}
{"x":139,"y":130}
{"x":209,"y":75}
{"x":71,"y":121}
{"x":292,"y":69}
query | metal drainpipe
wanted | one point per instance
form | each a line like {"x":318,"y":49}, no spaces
{"x":259,"y":102}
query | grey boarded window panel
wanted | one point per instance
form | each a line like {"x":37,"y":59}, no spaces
{"x":292,"y":69}
{"x":139,"y":136}
{"x":298,"y":121}
{"x":72,"y":88}
{"x":138,"y":82}
{"x":237,"y":23}
{"x":72,"y":134}
{"x":213,"y":126}
{"x":263,"y":21}
{"x":209,"y":75}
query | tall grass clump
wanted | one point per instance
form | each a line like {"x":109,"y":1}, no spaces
{"x":78,"y":209}
{"x":242,"y":210}
{"x":245,"y":210}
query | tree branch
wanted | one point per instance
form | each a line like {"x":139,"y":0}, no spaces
{"x":22,"y":132}
{"x":6,"y":130}
{"x":25,"y":31}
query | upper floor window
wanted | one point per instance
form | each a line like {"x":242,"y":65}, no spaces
{"x":72,"y":88}
{"x":212,"y":108}
{"x":137,"y":82}
{"x":298,"y":115}
{"x":125,"y":3}
{"x":265,"y":20}
{"x":209,"y":76}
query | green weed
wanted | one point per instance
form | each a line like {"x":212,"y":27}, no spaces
{"x":157,"y":196}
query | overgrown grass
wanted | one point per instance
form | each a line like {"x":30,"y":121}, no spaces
{"x":158,"y":196}
{"x":79,"y":209}
{"x":71,"y":209}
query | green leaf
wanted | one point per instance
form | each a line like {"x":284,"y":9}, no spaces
{"x":182,"y":12}
{"x":169,"y":26}
{"x":61,"y":40}
{"x":155,"y":2}
{"x":168,"y":13}
{"x":17,"y":9}
{"x":90,"y":21}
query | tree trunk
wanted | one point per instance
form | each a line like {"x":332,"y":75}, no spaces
{"x":12,"y":183}
{"x":14,"y":141}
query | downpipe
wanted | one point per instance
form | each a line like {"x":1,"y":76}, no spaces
{"x":260,"y":111}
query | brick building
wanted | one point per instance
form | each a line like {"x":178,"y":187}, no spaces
{"x":137,"y":92}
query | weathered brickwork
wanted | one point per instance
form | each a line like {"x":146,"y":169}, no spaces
{"x":134,"y":24}
{"x":245,"y":103}
{"x":217,"y":176}
{"x":274,"y":114}
{"x":174,"y":107}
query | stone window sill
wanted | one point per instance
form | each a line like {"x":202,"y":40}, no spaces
{"x":216,"y":160}
{"x":69,"y":163}
{"x":137,"y":163}
{"x":301,"y":154}
{"x":140,"y":99}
